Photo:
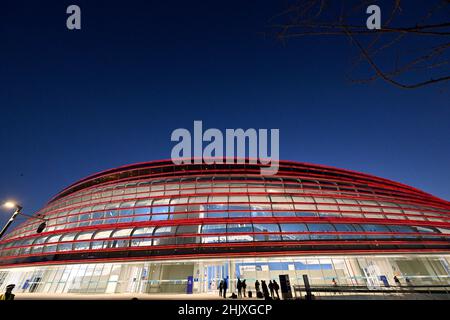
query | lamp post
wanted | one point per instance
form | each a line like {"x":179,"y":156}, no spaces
{"x":11,"y":205}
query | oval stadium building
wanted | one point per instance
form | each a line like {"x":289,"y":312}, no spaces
{"x":158,"y":227}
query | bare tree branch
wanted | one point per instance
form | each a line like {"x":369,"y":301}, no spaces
{"x":385,"y":77}
{"x":417,"y":46}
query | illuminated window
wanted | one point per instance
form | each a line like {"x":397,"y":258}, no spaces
{"x":289,"y":228}
{"x":321,"y":227}
{"x":265,"y":229}
{"x":164,"y":236}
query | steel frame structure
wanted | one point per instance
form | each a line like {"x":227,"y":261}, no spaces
{"x":339,"y":198}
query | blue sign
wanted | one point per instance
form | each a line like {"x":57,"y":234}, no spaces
{"x":26,"y":284}
{"x":190,"y":284}
{"x":385,"y":281}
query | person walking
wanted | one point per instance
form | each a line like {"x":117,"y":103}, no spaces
{"x":408,"y":281}
{"x":333,"y":281}
{"x":265,"y":291}
{"x":397,"y":281}
{"x":220,"y":288}
{"x":276,"y":287}
{"x":239,"y":288}
{"x":244,"y":288}
{"x":8,"y":295}
{"x":225,"y":287}
{"x":271,"y":289}
{"x":409,"y":284}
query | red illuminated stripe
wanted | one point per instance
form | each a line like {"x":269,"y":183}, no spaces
{"x":243,"y":220}
{"x":360,"y":206}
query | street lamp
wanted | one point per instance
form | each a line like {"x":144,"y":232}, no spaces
{"x":10,"y":205}
{"x":17,"y":211}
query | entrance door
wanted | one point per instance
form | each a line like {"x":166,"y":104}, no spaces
{"x":213,"y":274}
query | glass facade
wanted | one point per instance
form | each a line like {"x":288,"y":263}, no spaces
{"x":159,"y":211}
{"x":172,"y":276}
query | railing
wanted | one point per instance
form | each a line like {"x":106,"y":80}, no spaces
{"x":372,"y":290}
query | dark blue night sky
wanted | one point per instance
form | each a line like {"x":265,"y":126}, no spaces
{"x":77,"y":102}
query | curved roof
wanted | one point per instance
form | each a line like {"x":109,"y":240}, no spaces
{"x":159,"y":209}
{"x":166,"y":168}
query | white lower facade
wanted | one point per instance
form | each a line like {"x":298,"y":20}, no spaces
{"x":172,"y":276}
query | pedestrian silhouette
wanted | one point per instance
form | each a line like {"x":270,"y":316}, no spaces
{"x":225,"y":287}
{"x":271,"y":288}
{"x":8,"y":295}
{"x":239,"y":288}
{"x":244,"y":287}
{"x":257,"y":286}
{"x":276,"y":287}
{"x":220,"y":288}
{"x":408,"y":281}
{"x":265,"y":290}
